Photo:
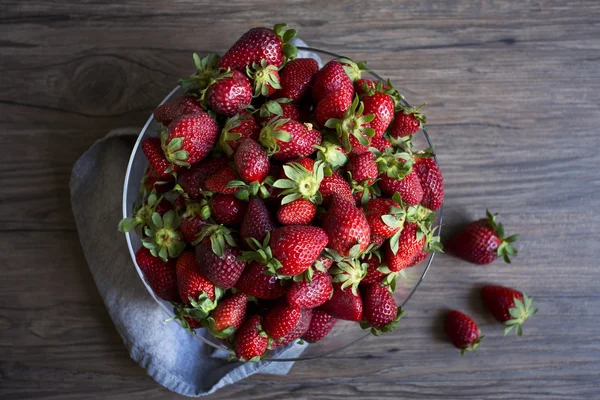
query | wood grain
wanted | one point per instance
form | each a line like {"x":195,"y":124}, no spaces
{"x":513,"y":94}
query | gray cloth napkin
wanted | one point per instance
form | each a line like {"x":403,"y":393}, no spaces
{"x":172,"y":356}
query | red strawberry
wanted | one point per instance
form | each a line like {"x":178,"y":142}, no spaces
{"x":363,"y":168}
{"x":431,"y":181}
{"x":281,"y":320}
{"x":362,"y":86}
{"x":509,"y":306}
{"x":346,"y":226}
{"x":344,"y":304}
{"x":271,"y":45}
{"x":381,"y":143}
{"x":307,"y":163}
{"x":297,"y":212}
{"x":331,"y":78}
{"x":299,"y":330}
{"x":380,"y":310}
{"x":324,"y":262}
{"x":162,"y":184}
{"x":255,"y":282}
{"x":335,"y":184}
{"x":218,"y":256}
{"x":218,"y":181}
{"x":168,"y":112}
{"x":333,"y":106}
{"x":194,"y":288}
{"x":296,"y":247}
{"x":463,"y":331}
{"x":159,"y":275}
{"x":289,"y":139}
{"x":192,"y":180}
{"x":385,"y":217}
{"x":157,"y":160}
{"x":250,"y":341}
{"x":251,"y":161}
{"x":418,"y":258}
{"x":373,"y":276}
{"x":353,"y":124}
{"x":257,"y":221}
{"x":381,"y":105}
{"x":277,"y":108}
{"x":482,"y":241}
{"x":295,"y":78}
{"x":310,"y":294}
{"x":409,"y":187}
{"x":230,"y":94}
{"x":190,"y":138}
{"x":193,"y":220}
{"x":265,"y":78}
{"x":407,"y":121}
{"x":227,"y":209}
{"x":410,"y":243}
{"x":238,"y":128}
{"x":228,"y":315}
{"x":321,"y":324}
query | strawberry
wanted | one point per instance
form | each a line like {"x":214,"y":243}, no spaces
{"x":509,"y":306}
{"x":271,"y":45}
{"x":181,"y":312}
{"x":418,"y":258}
{"x":463,"y":332}
{"x":295,"y":78}
{"x":334,"y":184}
{"x":277,"y":108}
{"x":265,"y":78}
{"x":163,"y":237}
{"x":410,"y":242}
{"x":250,"y":342}
{"x":346,"y":226}
{"x":385,"y":217}
{"x":228,"y":316}
{"x":381,"y":143}
{"x":362,"y":170}
{"x":194,"y":289}
{"x":159,"y":275}
{"x":218,"y":181}
{"x":331,"y":78}
{"x":299,"y":329}
{"x":281,"y":320}
{"x":193,"y":220}
{"x":321,"y":324}
{"x":407,"y":121}
{"x":297,"y":212}
{"x":431,"y":181}
{"x":168,"y":112}
{"x":227,"y":209}
{"x":251,"y":161}
{"x":310,"y":294}
{"x":381,"y":105}
{"x":373,"y":274}
{"x":353,"y":123}
{"x":301,"y":179}
{"x":482,"y":241}
{"x":229,"y":94}
{"x":257,"y":221}
{"x":255,"y":282}
{"x":344,"y":304}
{"x":158,"y":163}
{"x":409,"y":187}
{"x":189,"y":138}
{"x":331,"y":153}
{"x":324,"y":263}
{"x":218,"y":255}
{"x":333,"y":106}
{"x":362,"y":86}
{"x":287,"y":139}
{"x":192,"y":180}
{"x":237,"y":128}
{"x":380,"y":312}
{"x":152,"y":180}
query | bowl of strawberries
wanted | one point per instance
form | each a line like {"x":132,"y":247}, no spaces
{"x":282,"y":196}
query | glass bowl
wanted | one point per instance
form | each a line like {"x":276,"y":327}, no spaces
{"x":345,"y":333}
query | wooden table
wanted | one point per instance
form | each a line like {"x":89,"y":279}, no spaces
{"x":513,"y":93}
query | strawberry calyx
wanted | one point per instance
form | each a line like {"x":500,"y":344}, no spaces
{"x":222,"y":334}
{"x":164,"y":239}
{"x":252,"y":189}
{"x":262,"y":253}
{"x":367,"y":188}
{"x":173,"y":150}
{"x":424,"y":218}
{"x":414,"y":111}
{"x":301,"y":183}
{"x":331,"y":153}
{"x":194,"y":208}
{"x":307,"y":275}
{"x":382,"y":87}
{"x":142,"y":213}
{"x":395,"y":164}
{"x":181,"y":316}
{"x":472,"y":346}
{"x":350,"y":272}
{"x":353,"y":69}
{"x":287,"y":35}
{"x":353,"y":123}
{"x":228,"y":136}
{"x":506,"y":248}
{"x":264,"y":77}
{"x":522,"y":310}
{"x":207,"y":70}
{"x":272,"y":133}
{"x":219,"y":236}
{"x":272,"y":108}
{"x":386,"y":328}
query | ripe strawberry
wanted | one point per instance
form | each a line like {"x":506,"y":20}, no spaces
{"x":333,"y":106}
{"x":255,"y":282}
{"x":281,"y":320}
{"x":289,"y":139}
{"x":192,"y":180}
{"x":346,"y":226}
{"x":265,"y":78}
{"x":482,"y":241}
{"x":194,"y":288}
{"x":381,"y":143}
{"x":352,"y":124}
{"x":159,"y":275}
{"x":409,"y":187}
{"x":168,"y":112}
{"x":385,"y":217}
{"x":331,"y":78}
{"x":158,"y":163}
{"x":297,"y":212}
{"x":410,"y":243}
{"x":251,"y":161}
{"x":431,"y":181}
{"x":373,"y":275}
{"x":236,"y":129}
{"x":307,"y":163}
{"x":335,"y":184}
{"x":295,"y":78}
{"x":321,"y":324}
{"x":418,"y":258}
{"x":362,"y":86}
{"x":189,"y":138}
{"x":227,"y":209}
{"x":363,"y":168}
{"x":277,"y":108}
{"x":344,"y":304}
{"x":380,"y":312}
{"x":271,"y":45}
{"x":298,"y":330}
{"x":310,"y":294}
{"x":229,"y":94}
{"x":250,"y":341}
{"x":324,"y":263}
{"x":463,"y":331}
{"x":161,"y":184}
{"x":257,"y":221}
{"x":218,"y":255}
{"x":296,"y":247}
{"x":228,"y":316}
{"x":509,"y":306}
{"x":407,"y":121}
{"x":193,"y":220}
{"x":381,"y":105}
{"x":218,"y":181}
